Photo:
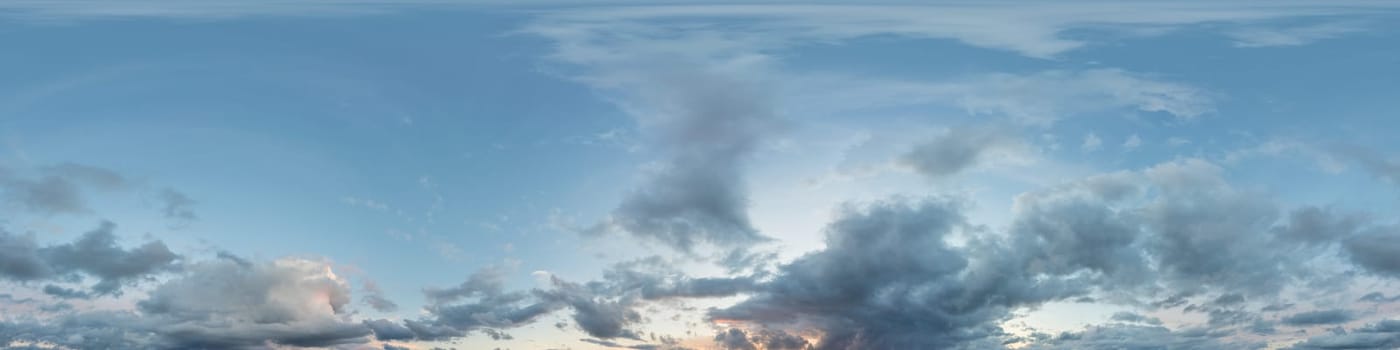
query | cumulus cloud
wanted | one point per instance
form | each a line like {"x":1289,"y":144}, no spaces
{"x":217,"y":305}
{"x":95,"y":254}
{"x":1292,"y":36}
{"x":1141,"y":337}
{"x":1176,"y":229}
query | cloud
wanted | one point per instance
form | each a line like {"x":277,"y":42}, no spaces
{"x":217,"y":304}
{"x":1381,"y":335}
{"x":1036,"y":99}
{"x":1029,"y":29}
{"x":95,"y":254}
{"x":600,"y":316}
{"x":177,"y":206}
{"x":1131,"y":317}
{"x":1091,"y":143}
{"x":705,"y":118}
{"x":1292,"y":36}
{"x":1315,"y":225}
{"x":1378,"y":297}
{"x":1377,"y":250}
{"x":1383,"y":167}
{"x":481,"y":302}
{"x":65,"y":188}
{"x":374,"y":297}
{"x":1319,"y":317}
{"x":958,"y":150}
{"x":1176,"y":228}
{"x":57,"y":189}
{"x":888,"y":280}
{"x":734,"y":339}
{"x":1140,"y":337}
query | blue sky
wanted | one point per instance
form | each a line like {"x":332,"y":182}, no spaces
{"x":591,"y":175}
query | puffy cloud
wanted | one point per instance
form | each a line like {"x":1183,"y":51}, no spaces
{"x":1292,"y":36}
{"x":95,"y":254}
{"x":1378,"y":297}
{"x":1320,"y":225}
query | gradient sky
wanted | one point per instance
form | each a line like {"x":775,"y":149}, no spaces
{"x":280,"y":174}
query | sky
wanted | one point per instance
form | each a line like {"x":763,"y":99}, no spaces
{"x":437,"y":174}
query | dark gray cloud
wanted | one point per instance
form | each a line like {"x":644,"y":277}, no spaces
{"x":1176,"y":229}
{"x":606,"y":309}
{"x":1378,"y":297}
{"x":1377,"y":250}
{"x":601,"y":316}
{"x":1133,"y":337}
{"x":57,"y":189}
{"x":1319,"y":317}
{"x":374,"y":297}
{"x":217,"y":305}
{"x":1381,"y":335}
{"x":95,"y":254}
{"x":734,"y":339}
{"x":958,"y":150}
{"x":653,"y":278}
{"x":707,"y":123}
{"x":1125,"y":316}
{"x":20,"y":259}
{"x":1383,"y":167}
{"x":766,"y":339}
